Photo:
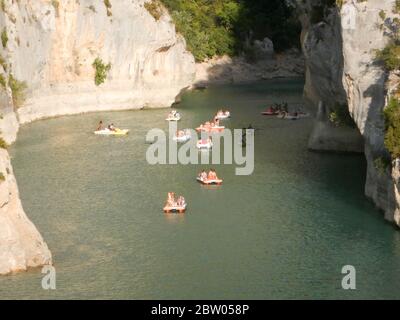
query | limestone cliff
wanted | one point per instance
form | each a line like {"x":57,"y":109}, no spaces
{"x":340,"y":51}
{"x":53,"y":44}
{"x":21,"y":245}
{"x":49,"y":47}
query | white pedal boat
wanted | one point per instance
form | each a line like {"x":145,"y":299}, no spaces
{"x":183,"y":138}
{"x":222,"y":116}
{"x":201,"y":144}
{"x":175,"y":117}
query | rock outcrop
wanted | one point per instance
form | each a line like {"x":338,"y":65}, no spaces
{"x":21,"y":245}
{"x":342,"y":68}
{"x":225,"y":69}
{"x":50,"y":46}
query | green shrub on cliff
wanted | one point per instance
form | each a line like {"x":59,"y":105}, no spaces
{"x":3,"y":144}
{"x":392,"y":123}
{"x":101,"y":71}
{"x":154,"y":8}
{"x":4,"y":38}
{"x":390,"y":56}
{"x":3,"y":82}
{"x":18,"y":89}
{"x":382,"y":164}
{"x":340,"y":116}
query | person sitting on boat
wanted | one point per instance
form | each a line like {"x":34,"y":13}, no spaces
{"x":180,"y":202}
{"x":100,"y":126}
{"x":111,"y":127}
{"x":171,"y":199}
{"x":212,"y":175}
{"x":216,"y":123}
{"x":203,"y":175}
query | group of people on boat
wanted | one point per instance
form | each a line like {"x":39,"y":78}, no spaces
{"x":222,"y":114}
{"x":210,"y":125}
{"x":182,"y":133}
{"x":174,"y":115}
{"x":211,"y":175}
{"x":174,"y":201}
{"x":276,"y":109}
{"x":281,"y":110}
{"x":110,"y":127}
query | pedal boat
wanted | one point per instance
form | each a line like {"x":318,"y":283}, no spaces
{"x":175,"y":209}
{"x":223,"y":116}
{"x":201,"y":144}
{"x":108,"y":132}
{"x":209,"y":182}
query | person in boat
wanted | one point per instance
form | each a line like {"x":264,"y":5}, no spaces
{"x":100,"y":126}
{"x":203,"y":175}
{"x":216,"y":123}
{"x":171,"y":199}
{"x":111,"y":127}
{"x":212,"y":175}
{"x":181,"y":201}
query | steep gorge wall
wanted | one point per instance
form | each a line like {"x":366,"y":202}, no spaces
{"x":342,"y":67}
{"x":51,"y":46}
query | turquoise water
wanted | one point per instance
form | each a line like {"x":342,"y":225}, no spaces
{"x":283,"y":232}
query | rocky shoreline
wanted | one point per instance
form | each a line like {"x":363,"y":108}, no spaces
{"x":223,"y":70}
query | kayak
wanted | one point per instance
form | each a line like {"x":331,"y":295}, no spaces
{"x":211,"y":129}
{"x":210,"y":182}
{"x":204,"y":145}
{"x":175,"y":209}
{"x":107,"y":132}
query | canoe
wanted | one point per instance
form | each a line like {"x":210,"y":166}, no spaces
{"x":107,"y":132}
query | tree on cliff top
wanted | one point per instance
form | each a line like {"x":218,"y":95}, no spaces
{"x":224,"y":26}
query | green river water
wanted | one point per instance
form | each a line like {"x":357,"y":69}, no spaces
{"x":286,"y":231}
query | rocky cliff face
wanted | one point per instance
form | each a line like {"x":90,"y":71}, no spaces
{"x":51,"y":46}
{"x":341,"y":67}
